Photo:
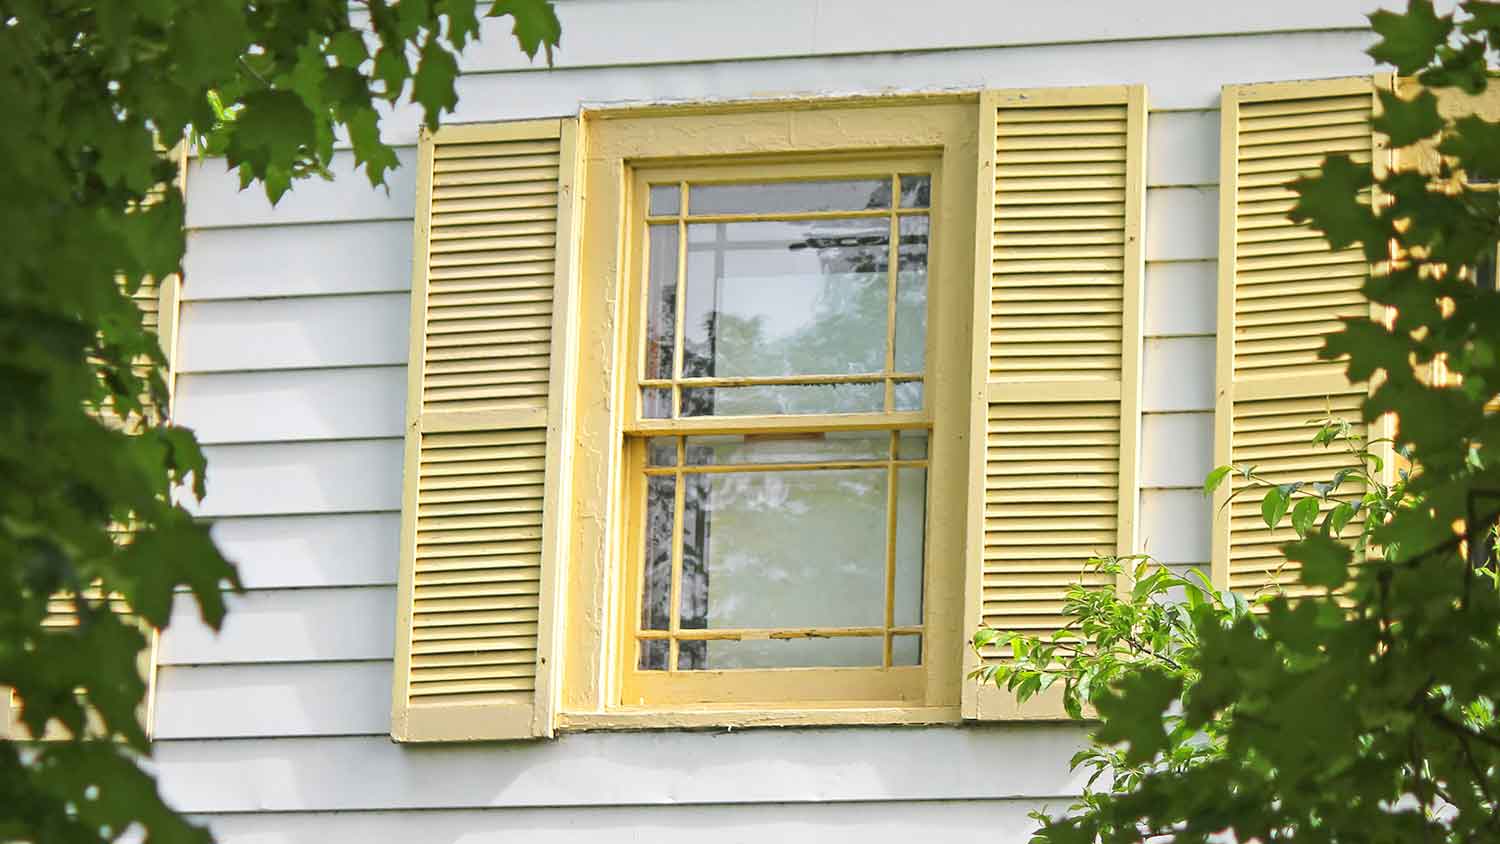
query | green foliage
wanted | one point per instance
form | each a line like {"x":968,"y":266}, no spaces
{"x":89,"y":91}
{"x":1363,"y":709}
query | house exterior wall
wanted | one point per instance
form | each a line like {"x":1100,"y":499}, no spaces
{"x":291,"y":362}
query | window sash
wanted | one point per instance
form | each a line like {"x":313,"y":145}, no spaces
{"x":813,"y":686}
{"x":822,"y":168}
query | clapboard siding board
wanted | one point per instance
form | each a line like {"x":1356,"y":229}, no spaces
{"x":365,"y":330}
{"x":1182,"y":223}
{"x":286,"y":625}
{"x":1175,"y":525}
{"x":270,"y":700}
{"x":303,"y":404}
{"x":1178,"y":374}
{"x":721,"y":30}
{"x":1177,"y":449}
{"x":624,"y":769}
{"x":282,"y":552}
{"x":1181,"y":297}
{"x":1159,"y":64}
{"x":290,"y":259}
{"x":889,"y":822}
{"x":1182,"y":148}
{"x":215,"y":198}
{"x":281,"y":479}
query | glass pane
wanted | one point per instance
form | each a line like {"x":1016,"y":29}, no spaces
{"x":784,"y":549}
{"x":911,"y":529}
{"x":664,"y":200}
{"x":661,"y":301}
{"x":656,"y":592}
{"x":906,"y":650}
{"x":841,"y":652}
{"x":790,"y":197}
{"x":916,"y":191}
{"x":653,"y":655}
{"x":788,"y":448}
{"x":656,"y":402}
{"x":909,"y":395}
{"x":782,"y":399}
{"x":912,"y":445}
{"x":786,"y":298}
{"x":911,"y":296}
{"x":661,"y":451}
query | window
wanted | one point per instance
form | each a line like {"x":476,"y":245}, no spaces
{"x":789,"y":314}
{"x":752,"y":413}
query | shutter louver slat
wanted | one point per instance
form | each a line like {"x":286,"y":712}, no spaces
{"x":1056,"y":359}
{"x":1281,"y":289}
{"x":482,"y":516}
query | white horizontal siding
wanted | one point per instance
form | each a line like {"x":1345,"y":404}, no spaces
{"x":350,"y":476}
{"x":1175,"y":525}
{"x":267,"y":700}
{"x":293,"y":333}
{"x":868,"y":822}
{"x":1182,"y":148}
{"x":280,"y":552}
{"x":693,"y":31}
{"x":1181,"y":298}
{"x":1177,"y":374}
{"x":1182,"y":224}
{"x":1180,"y":74}
{"x":218,"y":199}
{"x":1181,"y":445}
{"x":302,"y":404}
{"x":286,"y":625}
{"x":623,"y":769}
{"x":296,"y":260}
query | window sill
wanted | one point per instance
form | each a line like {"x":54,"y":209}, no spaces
{"x":710,"y":717}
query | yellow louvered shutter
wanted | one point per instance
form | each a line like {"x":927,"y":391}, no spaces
{"x":1281,"y":288}
{"x":1057,"y":351}
{"x":157,"y":301}
{"x":484,"y":512}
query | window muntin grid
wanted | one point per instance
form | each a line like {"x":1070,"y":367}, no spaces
{"x":725,"y":291}
{"x":727,"y":554}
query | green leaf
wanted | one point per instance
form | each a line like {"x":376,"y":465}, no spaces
{"x":1132,"y":713}
{"x":1338,"y":517}
{"x":536,"y":24}
{"x":1405,"y":122}
{"x":1325,"y":561}
{"x":1410,"y":41}
{"x":986,"y":636}
{"x":1215,"y":478}
{"x":1304,"y":516}
{"x":1273,"y":505}
{"x":1333,"y":202}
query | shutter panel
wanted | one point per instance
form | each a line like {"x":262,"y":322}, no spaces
{"x":1057,"y":351}
{"x":158,"y":302}
{"x":1280,"y":289}
{"x":484,"y":512}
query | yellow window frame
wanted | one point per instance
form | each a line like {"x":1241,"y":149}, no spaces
{"x":755,"y":142}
